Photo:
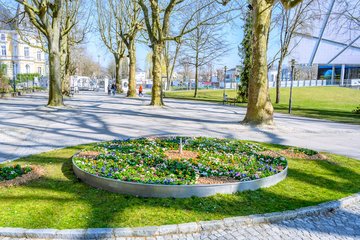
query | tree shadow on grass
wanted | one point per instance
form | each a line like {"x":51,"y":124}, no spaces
{"x":71,"y":199}
{"x":333,"y":115}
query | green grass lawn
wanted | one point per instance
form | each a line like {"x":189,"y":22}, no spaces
{"x":331,"y":103}
{"x":60,"y":200}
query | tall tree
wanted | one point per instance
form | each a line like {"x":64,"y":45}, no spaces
{"x":46,"y":16}
{"x":245,"y":51}
{"x":171,"y":54}
{"x":127,"y":13}
{"x":73,"y":14}
{"x":109,"y":28}
{"x":205,"y":43}
{"x":259,"y":108}
{"x":158,"y":16}
{"x":292,"y":20}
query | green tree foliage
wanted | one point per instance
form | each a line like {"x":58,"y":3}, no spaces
{"x":4,"y":81}
{"x":245,"y":51}
{"x":23,"y":77}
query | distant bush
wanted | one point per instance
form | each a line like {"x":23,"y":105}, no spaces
{"x":357,"y":110}
{"x":4,"y":81}
{"x":23,"y":77}
{"x":11,"y":172}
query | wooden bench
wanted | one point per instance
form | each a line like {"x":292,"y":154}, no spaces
{"x":229,"y":100}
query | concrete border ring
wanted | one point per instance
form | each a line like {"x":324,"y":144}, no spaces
{"x":174,"y":191}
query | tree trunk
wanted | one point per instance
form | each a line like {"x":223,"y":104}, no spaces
{"x":65,"y":64}
{"x":196,"y":78}
{"x":118,"y":74}
{"x":196,"y":69}
{"x":156,"y":97}
{"x":278,"y":80}
{"x":132,"y":70}
{"x":168,"y":82}
{"x":260,"y":109}
{"x":55,"y":94}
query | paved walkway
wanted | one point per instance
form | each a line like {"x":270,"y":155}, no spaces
{"x":343,"y":224}
{"x":28,"y":127}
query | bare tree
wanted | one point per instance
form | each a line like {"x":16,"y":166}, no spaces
{"x":205,"y":43}
{"x":109,"y":28}
{"x":72,"y":17}
{"x":71,"y":34}
{"x":81,"y":63}
{"x":292,"y":21}
{"x":127,"y":13}
{"x":47,"y":16}
{"x":170,"y":58}
{"x":157,"y":16}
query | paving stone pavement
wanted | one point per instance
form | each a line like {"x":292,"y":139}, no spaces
{"x":342,"y":224}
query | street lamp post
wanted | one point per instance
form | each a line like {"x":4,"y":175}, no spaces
{"x":225,"y":68}
{"x":291,"y":84}
{"x":14,"y":77}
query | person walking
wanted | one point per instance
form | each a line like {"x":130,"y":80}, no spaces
{"x":113,"y":89}
{"x":109,"y":89}
{"x":141,"y":91}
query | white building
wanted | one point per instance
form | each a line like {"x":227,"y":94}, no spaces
{"x":140,"y":77}
{"x":18,"y":56}
{"x":326,"y":54}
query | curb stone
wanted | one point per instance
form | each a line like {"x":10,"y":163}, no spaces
{"x":184,"y":228}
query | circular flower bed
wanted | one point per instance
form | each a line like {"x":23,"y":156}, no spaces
{"x":12,"y":172}
{"x":152,"y":160}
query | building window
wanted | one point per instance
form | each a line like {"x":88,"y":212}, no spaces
{"x":15,"y":50}
{"x":3,"y":37}
{"x":27,"y":68}
{"x":39,"y":70}
{"x":26,"y":52}
{"x":39,"y":55}
{"x":3,"y":50}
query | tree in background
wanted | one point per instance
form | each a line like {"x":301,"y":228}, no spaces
{"x":158,"y":16}
{"x":4,"y":81}
{"x":127,"y":13}
{"x":74,"y":14}
{"x":82,"y":64}
{"x":109,"y":27}
{"x":245,"y":52}
{"x":291,"y":21}
{"x":206,"y":43}
{"x":171,"y":54}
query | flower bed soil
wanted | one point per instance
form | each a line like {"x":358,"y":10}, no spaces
{"x":35,"y":173}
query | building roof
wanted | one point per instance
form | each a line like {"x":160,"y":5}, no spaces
{"x":339,"y":32}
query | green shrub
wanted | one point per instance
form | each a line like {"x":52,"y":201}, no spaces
{"x":23,"y":77}
{"x":11,"y":172}
{"x":357,"y":110}
{"x":308,"y":152}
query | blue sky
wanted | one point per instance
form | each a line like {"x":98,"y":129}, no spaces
{"x":233,"y":34}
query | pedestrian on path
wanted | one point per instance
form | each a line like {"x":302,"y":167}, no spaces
{"x":109,"y":89}
{"x":113,"y":89}
{"x":141,"y":91}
